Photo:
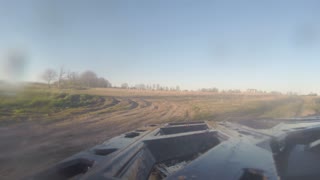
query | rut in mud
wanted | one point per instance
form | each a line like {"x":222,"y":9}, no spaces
{"x":33,"y":145}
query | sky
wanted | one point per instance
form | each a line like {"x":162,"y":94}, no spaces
{"x":239,"y":44}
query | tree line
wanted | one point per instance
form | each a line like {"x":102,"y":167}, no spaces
{"x":69,"y":79}
{"x":88,"y":79}
{"x":157,"y":87}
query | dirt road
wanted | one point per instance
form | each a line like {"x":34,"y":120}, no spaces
{"x":31,"y":146}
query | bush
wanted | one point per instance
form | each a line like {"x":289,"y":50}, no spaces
{"x":61,"y":95}
{"x":39,"y":103}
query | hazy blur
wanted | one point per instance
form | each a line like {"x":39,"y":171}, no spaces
{"x":75,"y":73}
{"x":269,"y":45}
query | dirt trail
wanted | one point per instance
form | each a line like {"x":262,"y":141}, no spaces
{"x":29,"y":147}
{"x":34,"y":145}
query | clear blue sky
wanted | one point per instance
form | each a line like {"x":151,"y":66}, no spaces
{"x":268,"y":45}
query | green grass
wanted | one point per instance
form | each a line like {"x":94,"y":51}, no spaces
{"x":28,"y":104}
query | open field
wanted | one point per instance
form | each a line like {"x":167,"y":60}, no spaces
{"x":39,"y":127}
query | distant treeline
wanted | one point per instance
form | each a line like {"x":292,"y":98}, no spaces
{"x":89,"y":79}
{"x":157,"y":87}
{"x":70,"y":79}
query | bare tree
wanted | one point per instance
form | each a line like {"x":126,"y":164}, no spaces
{"x":88,"y":78}
{"x":140,"y":86}
{"x":72,"y":78}
{"x":61,"y":76}
{"x":49,"y":75}
{"x":124,"y":86}
{"x":101,"y":82}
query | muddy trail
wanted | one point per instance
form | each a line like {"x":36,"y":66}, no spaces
{"x":34,"y":145}
{"x":31,"y":146}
